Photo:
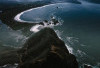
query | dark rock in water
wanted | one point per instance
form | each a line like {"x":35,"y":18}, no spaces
{"x":41,"y":23}
{"x":45,"y":50}
{"x":45,"y":21}
{"x":87,"y":66}
{"x":55,"y":21}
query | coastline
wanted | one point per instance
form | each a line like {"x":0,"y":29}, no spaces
{"x":16,"y":21}
{"x":17,"y":17}
{"x":7,"y":16}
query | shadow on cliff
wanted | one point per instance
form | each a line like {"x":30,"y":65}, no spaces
{"x":42,"y":50}
{"x":45,"y":50}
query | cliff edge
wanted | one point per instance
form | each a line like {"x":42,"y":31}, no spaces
{"x":45,"y":50}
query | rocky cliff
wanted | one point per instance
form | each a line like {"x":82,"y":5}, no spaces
{"x":42,"y":50}
{"x":45,"y":50}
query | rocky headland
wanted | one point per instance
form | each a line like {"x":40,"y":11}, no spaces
{"x":42,"y":50}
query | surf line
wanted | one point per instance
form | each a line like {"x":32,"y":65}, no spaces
{"x":18,"y":19}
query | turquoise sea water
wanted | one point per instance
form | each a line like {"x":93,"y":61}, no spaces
{"x":80,"y":29}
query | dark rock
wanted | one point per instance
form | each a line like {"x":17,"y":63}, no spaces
{"x":55,"y":21}
{"x":45,"y":50}
{"x":42,"y":50}
{"x":9,"y":57}
{"x":41,"y":23}
{"x":45,"y":21}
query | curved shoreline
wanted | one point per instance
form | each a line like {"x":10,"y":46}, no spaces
{"x":18,"y":19}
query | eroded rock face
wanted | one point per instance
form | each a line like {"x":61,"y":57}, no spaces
{"x":45,"y":50}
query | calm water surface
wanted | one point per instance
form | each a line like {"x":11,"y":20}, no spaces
{"x":80,"y":29}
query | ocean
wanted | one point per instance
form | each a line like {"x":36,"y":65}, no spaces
{"x":79,"y":28}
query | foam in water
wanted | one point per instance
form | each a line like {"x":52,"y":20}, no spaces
{"x":9,"y":66}
{"x":72,"y":40}
{"x":59,"y":33}
{"x":44,"y":24}
{"x":70,"y":49}
{"x":81,"y":53}
{"x":36,"y":28}
{"x":17,"y":17}
{"x":78,"y":52}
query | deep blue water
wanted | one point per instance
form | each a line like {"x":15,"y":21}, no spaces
{"x":80,"y":29}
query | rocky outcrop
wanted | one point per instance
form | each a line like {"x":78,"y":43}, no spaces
{"x":42,"y":50}
{"x":45,"y":50}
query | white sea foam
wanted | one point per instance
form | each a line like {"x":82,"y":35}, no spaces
{"x":69,"y":39}
{"x":72,"y":40}
{"x":17,"y":17}
{"x":36,"y":28}
{"x":81,"y":53}
{"x":70,"y":49}
{"x":49,"y":24}
{"x":9,"y":66}
{"x":96,"y":66}
{"x":59,"y":33}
